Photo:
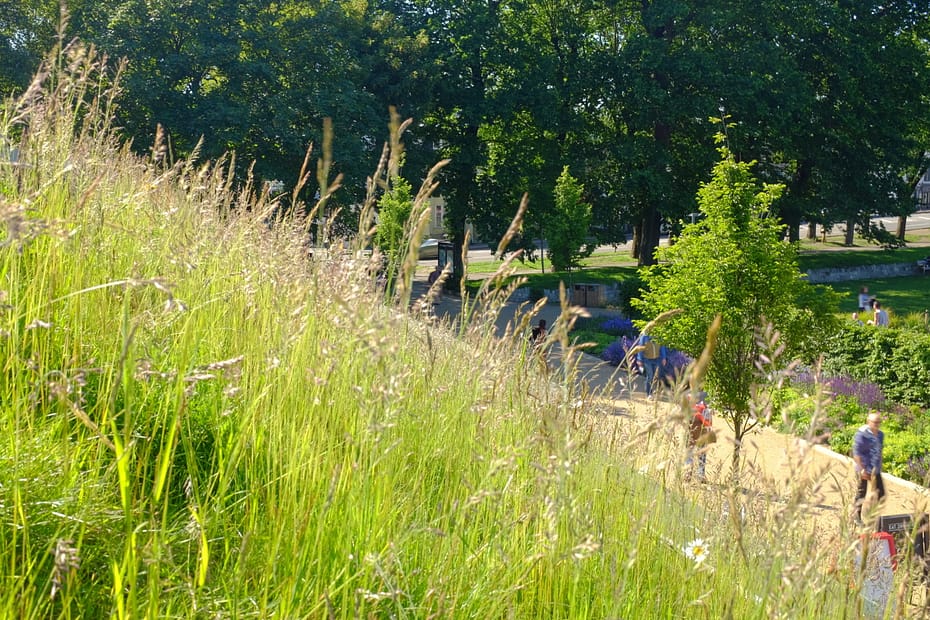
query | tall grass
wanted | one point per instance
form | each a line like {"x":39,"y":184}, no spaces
{"x":200,"y":420}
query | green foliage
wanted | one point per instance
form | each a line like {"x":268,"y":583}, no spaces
{"x":734,"y":264}
{"x":211,"y":425}
{"x":394,"y":210}
{"x":567,"y":230}
{"x":897,"y":360}
{"x":839,"y":417}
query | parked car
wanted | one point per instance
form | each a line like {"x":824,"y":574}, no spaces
{"x":429,"y":249}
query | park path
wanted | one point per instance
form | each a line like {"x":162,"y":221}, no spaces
{"x":768,"y":455}
{"x":770,"y":459}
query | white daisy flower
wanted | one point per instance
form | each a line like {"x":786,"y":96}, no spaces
{"x":697,"y":550}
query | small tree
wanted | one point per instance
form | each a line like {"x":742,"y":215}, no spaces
{"x":734,"y":263}
{"x":393,"y":212}
{"x":567,"y":232}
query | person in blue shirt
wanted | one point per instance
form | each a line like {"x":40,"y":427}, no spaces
{"x":867,"y":454}
{"x":650,"y":357}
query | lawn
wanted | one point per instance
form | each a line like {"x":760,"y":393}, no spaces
{"x":550,"y":280}
{"x":601,"y":259}
{"x":854,"y":257}
{"x":899,"y":296}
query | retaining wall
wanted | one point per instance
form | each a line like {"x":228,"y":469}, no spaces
{"x":862,"y":272}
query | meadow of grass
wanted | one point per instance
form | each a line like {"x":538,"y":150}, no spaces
{"x":201,"y":421}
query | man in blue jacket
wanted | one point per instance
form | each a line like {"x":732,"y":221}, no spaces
{"x":650,"y":356}
{"x":867,"y":453}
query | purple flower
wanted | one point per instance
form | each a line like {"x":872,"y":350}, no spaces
{"x":676,"y":362}
{"x":616,"y":352}
{"x":618,"y":326}
{"x":868,"y":394}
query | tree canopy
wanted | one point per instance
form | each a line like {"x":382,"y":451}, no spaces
{"x":735,"y":264}
{"x":827,"y":97}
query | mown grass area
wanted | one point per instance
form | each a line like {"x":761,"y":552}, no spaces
{"x":823,"y":258}
{"x":615,"y":258}
{"x":551,"y":280}
{"x":611,"y":267}
{"x":201,"y":421}
{"x":899,"y":296}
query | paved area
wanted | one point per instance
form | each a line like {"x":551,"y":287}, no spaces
{"x":771,"y":458}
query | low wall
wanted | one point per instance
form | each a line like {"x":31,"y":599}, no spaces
{"x":608,"y":295}
{"x":814,"y":276}
{"x":862,"y":272}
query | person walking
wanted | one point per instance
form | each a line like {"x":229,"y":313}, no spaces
{"x":868,"y":443}
{"x":650,"y":357}
{"x":700,"y":436}
{"x":538,"y":335}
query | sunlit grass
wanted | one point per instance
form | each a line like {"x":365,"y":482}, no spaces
{"x":202,"y":421}
{"x":900,"y":296}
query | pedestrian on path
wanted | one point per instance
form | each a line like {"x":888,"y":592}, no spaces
{"x":867,"y":454}
{"x":649,"y":356}
{"x":538,"y":335}
{"x":700,"y":436}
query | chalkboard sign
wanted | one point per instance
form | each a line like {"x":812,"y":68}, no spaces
{"x":901,"y":527}
{"x":894,"y":524}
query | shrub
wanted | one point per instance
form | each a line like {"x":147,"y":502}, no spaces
{"x":616,"y":352}
{"x":629,"y":288}
{"x":898,"y":361}
{"x":868,"y":394}
{"x":618,"y":326}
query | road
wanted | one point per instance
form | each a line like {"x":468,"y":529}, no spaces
{"x":917,"y":221}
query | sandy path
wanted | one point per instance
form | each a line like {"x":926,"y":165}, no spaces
{"x":773,"y":464}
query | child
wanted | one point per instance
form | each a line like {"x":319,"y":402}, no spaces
{"x":700,"y":435}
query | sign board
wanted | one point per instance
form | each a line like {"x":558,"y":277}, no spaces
{"x":902,"y":529}
{"x":894,"y":524}
{"x":877,"y":568}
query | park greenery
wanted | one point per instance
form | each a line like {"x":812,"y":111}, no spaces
{"x":825,"y":96}
{"x":733,"y":276}
{"x":567,"y":231}
{"x":202,"y":420}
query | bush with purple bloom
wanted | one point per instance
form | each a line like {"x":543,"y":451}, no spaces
{"x":618,"y":326}
{"x":868,"y":394}
{"x":676,"y":363}
{"x":616,"y":352}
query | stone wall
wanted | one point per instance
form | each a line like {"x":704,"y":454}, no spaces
{"x":862,"y":272}
{"x":606,"y":295}
{"x":609,"y":292}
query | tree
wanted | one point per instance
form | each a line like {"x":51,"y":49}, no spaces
{"x":393,"y":212}
{"x":735,"y":264}
{"x":567,"y":233}
{"x":27,"y":34}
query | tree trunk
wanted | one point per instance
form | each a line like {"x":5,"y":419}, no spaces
{"x":637,"y":240}
{"x":812,"y":230}
{"x":850,"y":231}
{"x":649,"y":239}
{"x":902,"y":227}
